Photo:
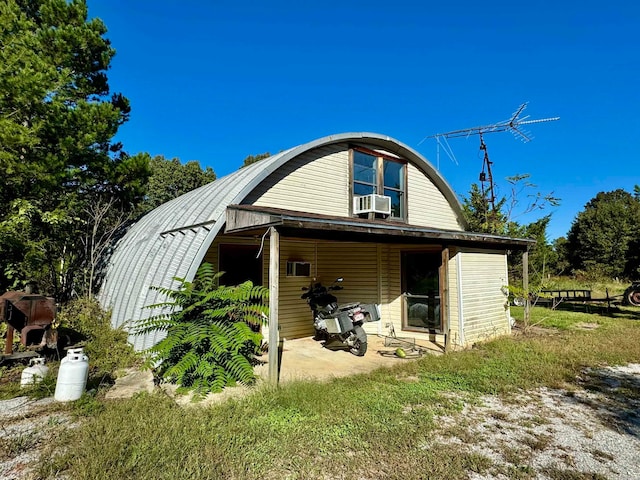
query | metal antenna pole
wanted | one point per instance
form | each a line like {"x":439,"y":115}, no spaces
{"x":488,"y":163}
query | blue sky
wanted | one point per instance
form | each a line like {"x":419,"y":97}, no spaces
{"x":217,"y":81}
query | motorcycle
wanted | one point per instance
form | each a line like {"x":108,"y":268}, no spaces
{"x":339,"y":323}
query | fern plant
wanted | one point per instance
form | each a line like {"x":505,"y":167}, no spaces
{"x":212,"y":332}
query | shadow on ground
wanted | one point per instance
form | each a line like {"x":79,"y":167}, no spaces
{"x":614,"y":395}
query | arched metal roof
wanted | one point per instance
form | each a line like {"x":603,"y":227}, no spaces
{"x":172,"y":240}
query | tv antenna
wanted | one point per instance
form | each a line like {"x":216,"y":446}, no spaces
{"x":513,"y":124}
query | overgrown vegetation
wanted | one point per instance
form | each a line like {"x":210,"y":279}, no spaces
{"x":106,"y":347}
{"x":379,"y":425}
{"x":212,"y":332}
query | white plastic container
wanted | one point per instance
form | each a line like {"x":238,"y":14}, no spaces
{"x":72,"y":376}
{"x":34,"y":373}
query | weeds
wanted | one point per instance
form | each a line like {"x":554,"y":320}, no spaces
{"x":106,"y":347}
{"x":537,"y":442}
{"x":16,"y":444}
{"x":564,"y":474}
{"x":602,"y":456}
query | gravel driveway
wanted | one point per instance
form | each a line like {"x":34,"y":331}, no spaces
{"x":591,"y":432}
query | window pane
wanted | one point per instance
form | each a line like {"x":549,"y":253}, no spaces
{"x":393,"y":174}
{"x":396,"y":202}
{"x":362,"y":189}
{"x":364,"y":167}
{"x":424,"y":312}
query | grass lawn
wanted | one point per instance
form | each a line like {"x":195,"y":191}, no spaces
{"x":368,"y":426}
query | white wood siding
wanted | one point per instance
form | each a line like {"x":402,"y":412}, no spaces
{"x":372,"y":274}
{"x":427,"y":206}
{"x":453,"y":297}
{"x":294,"y":316}
{"x":318,"y":182}
{"x":315,"y":182}
{"x":484,"y":311}
{"x":355,"y":262}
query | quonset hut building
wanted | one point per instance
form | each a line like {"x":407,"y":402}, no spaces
{"x":362,"y":206}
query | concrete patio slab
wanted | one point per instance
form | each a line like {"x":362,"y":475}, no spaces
{"x":307,"y":359}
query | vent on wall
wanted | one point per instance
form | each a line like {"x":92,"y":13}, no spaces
{"x":372,"y":204}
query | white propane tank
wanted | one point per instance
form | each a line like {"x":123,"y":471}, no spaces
{"x":72,"y":376}
{"x":34,"y":373}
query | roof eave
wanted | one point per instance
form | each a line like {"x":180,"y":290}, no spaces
{"x":250,"y":219}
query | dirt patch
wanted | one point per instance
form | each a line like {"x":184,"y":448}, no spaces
{"x":586,"y":326}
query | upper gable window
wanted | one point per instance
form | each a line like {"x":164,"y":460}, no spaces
{"x":376,"y":173}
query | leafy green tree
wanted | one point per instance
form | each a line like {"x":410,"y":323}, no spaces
{"x":250,"y":159}
{"x":171,"y":178}
{"x":480,"y":216}
{"x":604,"y":237}
{"x":560,"y":260}
{"x":57,"y":158}
{"x":499,"y":219}
{"x":210,"y":342}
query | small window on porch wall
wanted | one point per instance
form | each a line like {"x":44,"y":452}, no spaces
{"x":375,"y":173}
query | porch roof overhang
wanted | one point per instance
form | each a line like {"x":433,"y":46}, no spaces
{"x":253,"y":220}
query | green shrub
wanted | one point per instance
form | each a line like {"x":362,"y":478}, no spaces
{"x":107,"y":348}
{"x":210,"y":341}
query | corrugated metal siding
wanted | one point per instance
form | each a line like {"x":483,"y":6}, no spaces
{"x":145,"y":258}
{"x":315,"y":182}
{"x":483,"y":278}
{"x":427,"y":206}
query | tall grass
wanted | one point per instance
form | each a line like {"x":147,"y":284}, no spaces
{"x":378,"y":425}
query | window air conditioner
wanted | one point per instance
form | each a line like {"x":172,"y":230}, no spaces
{"x":372,"y":204}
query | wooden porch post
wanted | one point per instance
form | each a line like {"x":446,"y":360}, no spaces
{"x":274,"y":276}
{"x":525,"y":287}
{"x":444,"y":298}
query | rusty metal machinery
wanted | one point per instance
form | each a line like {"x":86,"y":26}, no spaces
{"x":29,"y":314}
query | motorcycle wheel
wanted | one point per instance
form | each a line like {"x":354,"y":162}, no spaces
{"x":358,"y":348}
{"x":321,"y":335}
{"x":632,"y":296}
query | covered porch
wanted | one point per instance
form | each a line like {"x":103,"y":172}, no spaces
{"x":376,"y":258}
